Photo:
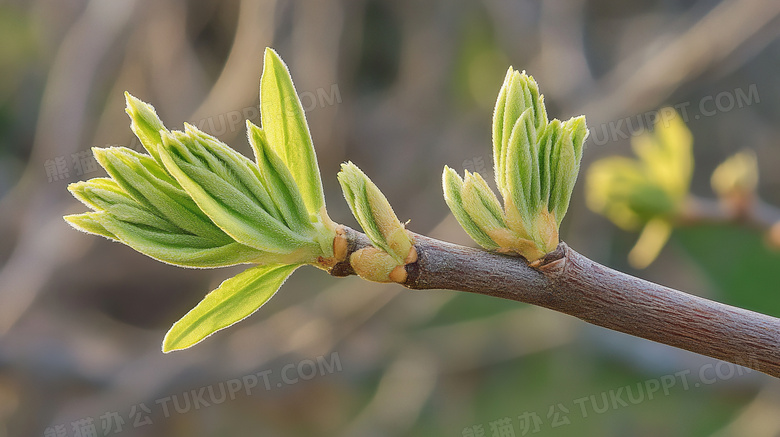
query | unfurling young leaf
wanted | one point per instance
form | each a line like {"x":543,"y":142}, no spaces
{"x":195,"y":202}
{"x":234,"y":300}
{"x":536,"y":163}
{"x":142,"y":207}
{"x":276,"y":176}
{"x":220,"y":188}
{"x":648,"y":192}
{"x":145,"y":124}
{"x":89,"y":222}
{"x":284,"y":123}
{"x":453,"y":195}
{"x":482,"y":204}
{"x":393,"y":245}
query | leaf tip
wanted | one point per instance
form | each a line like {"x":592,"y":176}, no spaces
{"x":169,"y":344}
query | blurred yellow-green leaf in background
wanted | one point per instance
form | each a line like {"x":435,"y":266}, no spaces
{"x":735,"y":180}
{"x":648,"y":192}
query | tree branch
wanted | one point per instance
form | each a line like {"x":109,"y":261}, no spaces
{"x":570,"y":283}
{"x":751,"y":212}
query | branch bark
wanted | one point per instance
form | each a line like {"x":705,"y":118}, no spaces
{"x":570,"y":283}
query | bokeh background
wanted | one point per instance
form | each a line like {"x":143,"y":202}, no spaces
{"x":401,"y":88}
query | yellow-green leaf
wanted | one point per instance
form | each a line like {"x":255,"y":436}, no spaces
{"x":498,"y":130}
{"x":234,"y":300}
{"x":103,"y":194}
{"x":284,"y":123}
{"x":87,"y":222}
{"x":481,"y":203}
{"x":453,"y":195}
{"x":374,"y":213}
{"x":239,"y":216}
{"x":145,"y":124}
{"x":564,"y":170}
{"x":229,"y":165}
{"x":141,"y":177}
{"x":278,"y":180}
{"x":185,"y":250}
{"x":522,"y":168}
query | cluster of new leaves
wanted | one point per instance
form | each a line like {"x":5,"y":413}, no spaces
{"x":536,"y":162}
{"x":195,"y":202}
{"x":649,"y":192}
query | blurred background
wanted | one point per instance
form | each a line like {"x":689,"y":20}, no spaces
{"x":401,"y":88}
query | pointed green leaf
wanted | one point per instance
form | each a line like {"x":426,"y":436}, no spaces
{"x":234,"y":300}
{"x":527,"y":100}
{"x":284,"y":123}
{"x":102,"y":194}
{"x":278,"y":180}
{"x":453,"y":186}
{"x":572,"y":138}
{"x":565,"y":172}
{"x":236,"y":214}
{"x":554,"y":132}
{"x":545,"y":141}
{"x":536,"y":101}
{"x":488,"y":197}
{"x":87,"y":222}
{"x":239,"y":171}
{"x":353,"y":185}
{"x":145,"y":124}
{"x":518,"y":94}
{"x":522,"y":168}
{"x":183,"y":250}
{"x":579,"y":133}
{"x":141,"y":177}
{"x":481,"y":204}
{"x":374,"y":213}
{"x":498,"y":130}
{"x":513,"y":109}
{"x":82,"y":191}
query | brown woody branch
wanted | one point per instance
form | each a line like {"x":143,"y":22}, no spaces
{"x":573,"y":284}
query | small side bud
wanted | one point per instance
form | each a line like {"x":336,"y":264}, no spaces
{"x":735,"y":181}
{"x":374,"y":264}
{"x":374,"y":213}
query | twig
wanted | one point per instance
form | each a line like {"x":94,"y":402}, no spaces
{"x":570,"y":283}
{"x":751,"y":212}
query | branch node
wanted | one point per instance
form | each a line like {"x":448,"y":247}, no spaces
{"x":553,"y":262}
